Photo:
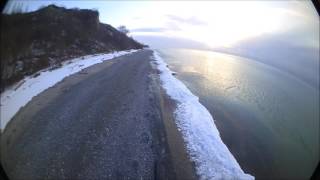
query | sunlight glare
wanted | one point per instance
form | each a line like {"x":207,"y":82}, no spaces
{"x":223,"y":22}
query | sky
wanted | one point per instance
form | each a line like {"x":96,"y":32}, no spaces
{"x":282,"y":33}
{"x":211,"y":23}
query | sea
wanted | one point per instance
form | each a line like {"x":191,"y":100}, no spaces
{"x":268,"y":118}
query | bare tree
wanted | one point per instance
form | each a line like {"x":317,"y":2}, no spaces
{"x":123,"y":29}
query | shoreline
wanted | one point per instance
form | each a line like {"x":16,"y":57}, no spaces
{"x":172,"y":154}
{"x":169,"y":154}
{"x":202,"y":139}
{"x":183,"y":166}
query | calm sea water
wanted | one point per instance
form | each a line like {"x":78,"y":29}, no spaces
{"x":268,"y":119}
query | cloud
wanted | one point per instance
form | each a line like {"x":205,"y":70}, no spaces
{"x":172,"y":23}
{"x":173,"y":26}
{"x":191,"y":20}
{"x":137,"y":18}
{"x":160,"y":42}
{"x":169,"y":27}
{"x":154,"y":29}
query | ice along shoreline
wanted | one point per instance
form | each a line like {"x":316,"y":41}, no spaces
{"x":211,"y":156}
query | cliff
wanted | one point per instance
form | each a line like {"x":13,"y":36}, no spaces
{"x":46,"y":37}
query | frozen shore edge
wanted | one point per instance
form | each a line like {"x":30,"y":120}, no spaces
{"x":212,"y":158}
{"x":17,"y":96}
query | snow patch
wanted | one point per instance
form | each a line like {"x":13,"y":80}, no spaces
{"x":13,"y":98}
{"x":212,"y":158}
